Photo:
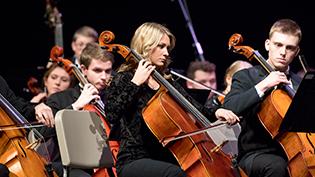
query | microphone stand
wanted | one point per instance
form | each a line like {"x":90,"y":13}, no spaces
{"x":196,"y":44}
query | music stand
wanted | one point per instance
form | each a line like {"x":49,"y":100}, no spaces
{"x":300,"y":116}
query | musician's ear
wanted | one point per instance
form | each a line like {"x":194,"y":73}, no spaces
{"x":83,"y":69}
{"x":267,"y":44}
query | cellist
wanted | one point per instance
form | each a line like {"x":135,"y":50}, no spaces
{"x":41,"y":112}
{"x":259,"y":154}
{"x":34,"y":112}
{"x":96,"y":67}
{"x":141,"y":154}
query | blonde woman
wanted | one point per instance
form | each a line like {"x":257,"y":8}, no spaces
{"x":141,"y":154}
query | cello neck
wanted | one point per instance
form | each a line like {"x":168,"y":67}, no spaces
{"x":59,"y":35}
{"x":262,"y":61}
{"x":78,"y":74}
{"x":177,"y":95}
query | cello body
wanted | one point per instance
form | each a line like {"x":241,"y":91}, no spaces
{"x":297,"y":146}
{"x":113,"y":145}
{"x":194,"y":153}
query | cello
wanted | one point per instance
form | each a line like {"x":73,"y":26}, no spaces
{"x":15,"y":151}
{"x":197,"y":155}
{"x":95,"y":106}
{"x":298,"y":147}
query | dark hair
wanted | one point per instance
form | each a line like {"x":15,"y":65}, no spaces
{"x":286,"y":26}
{"x":200,"y":65}
{"x":94,"y":51}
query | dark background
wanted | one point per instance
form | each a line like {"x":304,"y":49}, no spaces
{"x":27,"y":39}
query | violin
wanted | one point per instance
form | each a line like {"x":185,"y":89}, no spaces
{"x":299,"y":147}
{"x":196,"y":154}
{"x":95,"y":106}
{"x":15,"y":150}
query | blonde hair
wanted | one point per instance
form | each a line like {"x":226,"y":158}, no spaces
{"x":286,"y":26}
{"x":234,"y":67}
{"x":146,"y":37}
{"x":86,"y":31}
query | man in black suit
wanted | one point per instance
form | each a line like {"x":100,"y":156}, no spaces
{"x":96,"y":67}
{"x":259,"y":154}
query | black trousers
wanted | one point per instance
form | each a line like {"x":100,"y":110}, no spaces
{"x":152,"y":168}
{"x":264,"y":165}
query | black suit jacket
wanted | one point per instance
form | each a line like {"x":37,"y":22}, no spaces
{"x":22,"y":106}
{"x":244,"y":101}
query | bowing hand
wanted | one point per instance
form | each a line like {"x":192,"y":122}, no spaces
{"x":44,"y":115}
{"x":227,"y":115}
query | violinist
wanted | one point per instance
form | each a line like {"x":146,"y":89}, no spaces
{"x":259,"y":154}
{"x":96,"y":66}
{"x":140,"y":153}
